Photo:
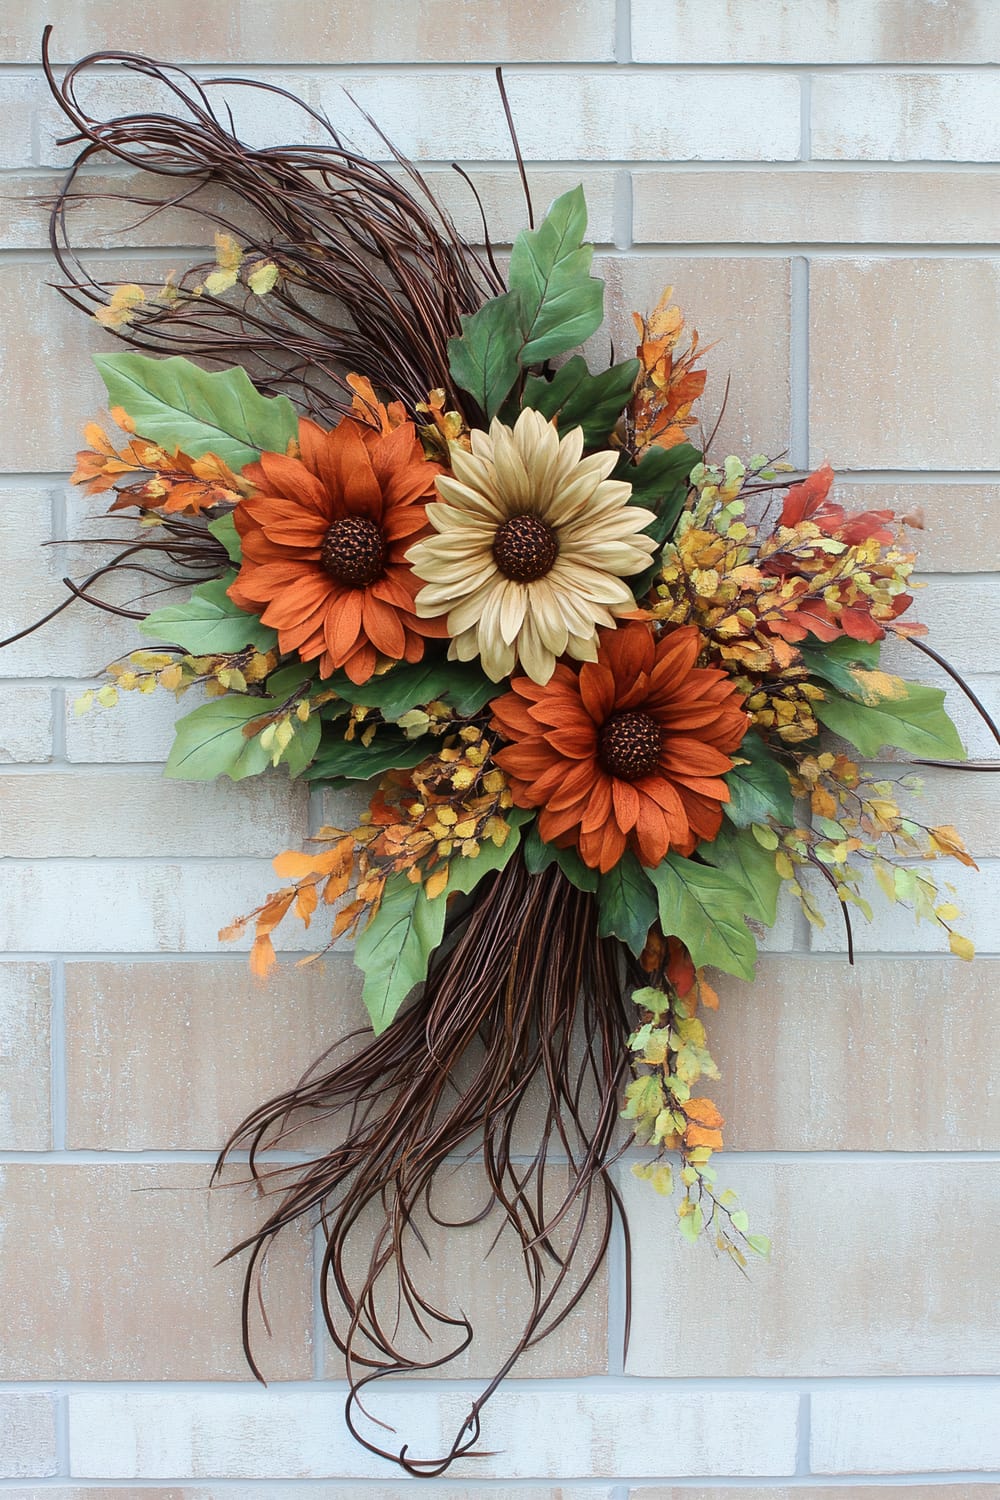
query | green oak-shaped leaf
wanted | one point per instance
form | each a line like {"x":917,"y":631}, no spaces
{"x":576,"y":398}
{"x":759,"y":790}
{"x":209,"y":623}
{"x":737,"y":853}
{"x":626,"y":902}
{"x":704,"y":907}
{"x":483,"y":359}
{"x":179,"y":405}
{"x":538,"y":855}
{"x":210,"y":742}
{"x":915,"y":721}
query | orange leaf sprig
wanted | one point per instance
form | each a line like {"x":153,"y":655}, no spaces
{"x":669,"y":384}
{"x":418,"y":822}
{"x":177,"y":483}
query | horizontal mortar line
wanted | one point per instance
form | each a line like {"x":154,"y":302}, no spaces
{"x":264,"y":68}
{"x":486,"y":1488}
{"x":583,"y":1385}
{"x":883,"y":249}
{"x":507,"y":167}
{"x":181,"y":1156}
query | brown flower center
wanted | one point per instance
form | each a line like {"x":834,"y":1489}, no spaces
{"x":353,"y":551}
{"x":525,"y":548}
{"x":629,"y":745}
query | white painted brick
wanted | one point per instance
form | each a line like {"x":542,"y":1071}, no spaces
{"x":906,"y":116}
{"x":27,"y":1435}
{"x":111,"y":906}
{"x":125,"y":814}
{"x":25,"y":724}
{"x":20,"y":96}
{"x":975,"y":735}
{"x":894,"y":928}
{"x":81,"y":640}
{"x":963,"y":625}
{"x":459,"y":115}
{"x":893,"y":1428}
{"x":572,"y":1433}
{"x":575,"y":116}
{"x":25,"y":1062}
{"x":140,"y":727}
{"x":822,"y":31}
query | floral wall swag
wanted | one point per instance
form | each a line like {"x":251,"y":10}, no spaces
{"x":611,"y":695}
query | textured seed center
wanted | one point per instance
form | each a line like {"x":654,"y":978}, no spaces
{"x":524,"y":548}
{"x":353,"y":551}
{"x":630,"y":745}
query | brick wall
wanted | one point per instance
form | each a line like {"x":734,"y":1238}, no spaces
{"x":815,"y":179}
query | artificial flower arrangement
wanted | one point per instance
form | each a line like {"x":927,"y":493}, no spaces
{"x":585,"y":672}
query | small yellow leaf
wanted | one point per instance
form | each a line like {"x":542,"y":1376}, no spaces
{"x":961,"y":946}
{"x":262,"y":280}
{"x":219,"y":281}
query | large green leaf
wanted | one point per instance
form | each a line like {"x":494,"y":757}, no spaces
{"x":179,"y":405}
{"x":463,"y":683}
{"x":915,"y":722}
{"x":561,"y":304}
{"x":704,"y":907}
{"x":209,"y":622}
{"x":350,"y":760}
{"x":737,"y":853}
{"x":395,"y":948}
{"x":538,"y":855}
{"x":759,"y":790}
{"x":576,"y":398}
{"x":483,"y":361}
{"x":836,"y":662}
{"x":210,"y":742}
{"x":626,"y":903}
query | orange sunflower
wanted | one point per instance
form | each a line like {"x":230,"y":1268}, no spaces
{"x":625,"y":752}
{"x":323,"y":541}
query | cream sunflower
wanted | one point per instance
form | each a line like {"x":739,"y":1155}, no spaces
{"x":531,"y":542}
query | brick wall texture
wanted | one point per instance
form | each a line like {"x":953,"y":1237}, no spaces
{"x":819,"y":181}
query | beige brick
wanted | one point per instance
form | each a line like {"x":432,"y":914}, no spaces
{"x":960,"y":533}
{"x":879,"y":1268}
{"x":25,"y":725}
{"x":27,"y":1435}
{"x":975,"y":735}
{"x":906,"y":1429}
{"x":124,"y":1280}
{"x":906,"y":116}
{"x":889,"y":339}
{"x":25,"y":1005}
{"x":810,"y":205}
{"x":280,"y":31}
{"x":478,"y":1271}
{"x":816,"y":1492}
{"x":526,"y":1433}
{"x":95,"y":222}
{"x":174,"y":1055}
{"x":850,"y":1058}
{"x":742,"y":304}
{"x":821,"y":31}
{"x":129,"y":814}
